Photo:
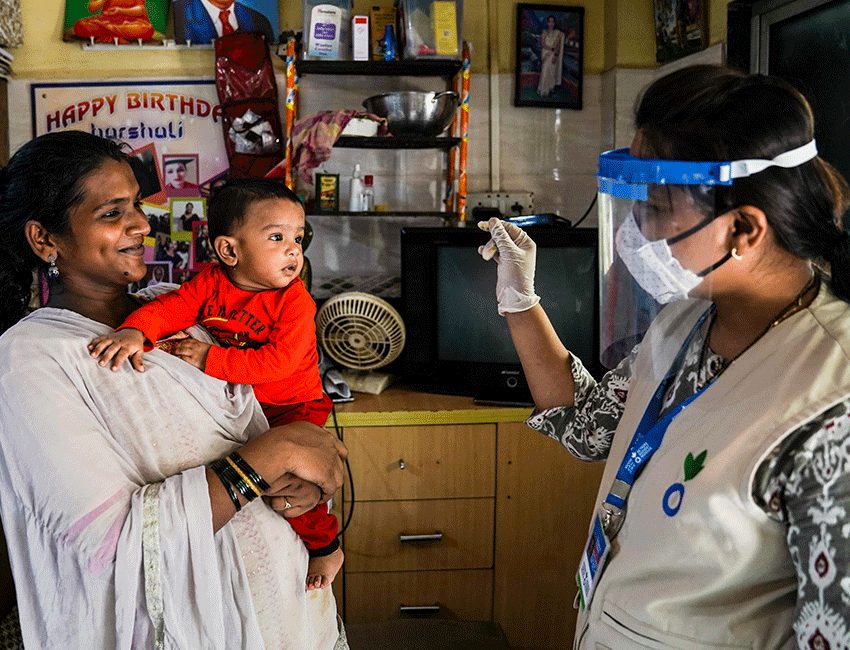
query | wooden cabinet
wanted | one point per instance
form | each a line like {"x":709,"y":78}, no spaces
{"x":462,"y":512}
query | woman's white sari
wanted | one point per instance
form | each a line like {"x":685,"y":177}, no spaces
{"x":106,"y":510}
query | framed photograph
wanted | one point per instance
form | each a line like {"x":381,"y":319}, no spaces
{"x":157,"y":272}
{"x":145,"y":164}
{"x":193,"y":23}
{"x":679,"y":28}
{"x":202,"y":254}
{"x":180,"y":173}
{"x":184,"y":213}
{"x":549,"y":54}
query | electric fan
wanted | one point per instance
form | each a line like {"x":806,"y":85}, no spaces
{"x":363,"y":333}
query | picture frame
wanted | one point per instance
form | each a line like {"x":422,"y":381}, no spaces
{"x":184,"y":212}
{"x":156,"y":272}
{"x":145,"y":164}
{"x":180,"y":175}
{"x":549,"y":56}
{"x":680,"y":28}
{"x":202,"y":254}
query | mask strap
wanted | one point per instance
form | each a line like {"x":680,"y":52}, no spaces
{"x":690,"y":231}
{"x":715,"y":266}
{"x":793,"y":158}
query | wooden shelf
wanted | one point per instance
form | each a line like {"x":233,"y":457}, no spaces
{"x":391,"y":142}
{"x":421,"y":68}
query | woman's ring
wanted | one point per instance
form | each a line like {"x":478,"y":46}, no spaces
{"x":286,"y":504}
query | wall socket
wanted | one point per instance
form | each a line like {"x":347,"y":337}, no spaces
{"x":508,"y":203}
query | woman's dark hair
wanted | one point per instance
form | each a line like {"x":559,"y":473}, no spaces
{"x":708,"y":112}
{"x":229,"y":202}
{"x":42,"y":182}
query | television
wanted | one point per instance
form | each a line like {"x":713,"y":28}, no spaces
{"x":804,"y":42}
{"x":456,"y":341}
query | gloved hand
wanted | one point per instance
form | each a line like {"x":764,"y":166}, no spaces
{"x":514,"y":253}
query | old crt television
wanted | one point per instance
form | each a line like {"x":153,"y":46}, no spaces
{"x":456,"y":341}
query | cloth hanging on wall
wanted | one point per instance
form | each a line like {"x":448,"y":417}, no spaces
{"x":11,"y":29}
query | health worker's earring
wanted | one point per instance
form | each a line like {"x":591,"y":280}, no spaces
{"x":52,"y":270}
{"x":734,"y":254}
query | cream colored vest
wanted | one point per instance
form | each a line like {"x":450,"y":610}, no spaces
{"x":697,"y":563}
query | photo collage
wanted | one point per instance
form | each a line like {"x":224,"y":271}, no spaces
{"x":174,"y":198}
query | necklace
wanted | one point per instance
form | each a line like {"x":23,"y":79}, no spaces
{"x":789,"y":310}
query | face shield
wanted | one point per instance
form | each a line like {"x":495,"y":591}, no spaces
{"x":649,"y":212}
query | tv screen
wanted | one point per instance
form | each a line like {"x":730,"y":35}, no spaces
{"x":456,"y":340}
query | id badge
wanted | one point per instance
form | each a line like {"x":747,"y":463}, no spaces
{"x":592,"y":560}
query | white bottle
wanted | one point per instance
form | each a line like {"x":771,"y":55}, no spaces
{"x":355,"y":201}
{"x":368,"y":194}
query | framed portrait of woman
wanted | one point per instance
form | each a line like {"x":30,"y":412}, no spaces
{"x":549,"y":54}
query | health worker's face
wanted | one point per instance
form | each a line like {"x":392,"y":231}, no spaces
{"x":268,"y":245}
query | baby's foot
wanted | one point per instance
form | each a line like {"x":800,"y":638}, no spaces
{"x":321,"y":571}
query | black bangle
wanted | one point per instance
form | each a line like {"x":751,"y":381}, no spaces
{"x":250,"y":471}
{"x":325,"y":550}
{"x":224,"y":469}
{"x":227,"y":486}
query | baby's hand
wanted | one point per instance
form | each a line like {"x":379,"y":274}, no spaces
{"x":192,"y":351}
{"x":118,"y":347}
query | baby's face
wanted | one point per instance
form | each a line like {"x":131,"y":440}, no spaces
{"x":268,"y":245}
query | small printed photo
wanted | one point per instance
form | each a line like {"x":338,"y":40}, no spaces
{"x":145,"y":164}
{"x":202,"y":250}
{"x":183,"y":275}
{"x":184,"y":213}
{"x":157,"y":272}
{"x":180,"y":172}
{"x":159,"y":219}
{"x":174,"y":252}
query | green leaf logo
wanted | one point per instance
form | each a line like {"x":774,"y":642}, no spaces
{"x":693,"y":466}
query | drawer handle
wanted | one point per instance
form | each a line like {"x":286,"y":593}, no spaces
{"x":401,"y":464}
{"x":418,"y":609}
{"x":432,"y":537}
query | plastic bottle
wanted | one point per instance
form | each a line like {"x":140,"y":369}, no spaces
{"x":389,"y":43}
{"x":355,"y":199}
{"x":368,"y":194}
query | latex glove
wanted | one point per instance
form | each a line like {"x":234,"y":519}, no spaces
{"x":514,"y":253}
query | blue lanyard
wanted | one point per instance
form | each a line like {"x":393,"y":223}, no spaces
{"x":651,"y":429}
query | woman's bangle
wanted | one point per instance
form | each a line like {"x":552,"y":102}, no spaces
{"x":242,"y":464}
{"x":226,"y":471}
{"x":242,"y":475}
{"x":227,"y":486}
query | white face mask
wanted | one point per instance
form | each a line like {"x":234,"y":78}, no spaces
{"x":652,"y":264}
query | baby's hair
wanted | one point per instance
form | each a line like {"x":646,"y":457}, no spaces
{"x":229,"y":203}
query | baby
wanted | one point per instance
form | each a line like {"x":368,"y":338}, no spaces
{"x":257,"y":307}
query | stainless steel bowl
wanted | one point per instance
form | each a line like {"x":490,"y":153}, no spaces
{"x":413,"y":112}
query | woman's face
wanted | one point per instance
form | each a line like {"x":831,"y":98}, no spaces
{"x":175,"y":174}
{"x":550,"y":22}
{"x":105,"y":242}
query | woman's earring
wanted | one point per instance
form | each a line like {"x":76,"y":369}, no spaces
{"x":734,"y":254}
{"x":52,"y":270}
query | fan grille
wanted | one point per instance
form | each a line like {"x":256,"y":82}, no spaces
{"x":360,"y":331}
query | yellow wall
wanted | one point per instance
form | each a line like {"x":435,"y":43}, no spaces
{"x":628,"y":22}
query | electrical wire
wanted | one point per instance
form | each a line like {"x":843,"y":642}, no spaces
{"x":586,"y":212}
{"x":350,"y":499}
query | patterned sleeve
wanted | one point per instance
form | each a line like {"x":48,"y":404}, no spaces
{"x":586,"y":429}
{"x":805,"y":483}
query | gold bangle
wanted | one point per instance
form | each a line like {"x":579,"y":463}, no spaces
{"x":244,"y":477}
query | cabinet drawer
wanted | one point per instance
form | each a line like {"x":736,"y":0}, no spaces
{"x":391,"y":535}
{"x":422,"y":462}
{"x":465,"y":595}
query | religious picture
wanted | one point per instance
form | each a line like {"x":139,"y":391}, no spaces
{"x":549,"y":44}
{"x":679,"y":28}
{"x":117,"y":22}
{"x":197,"y":21}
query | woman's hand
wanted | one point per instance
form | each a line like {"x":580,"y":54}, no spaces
{"x":291,"y":496}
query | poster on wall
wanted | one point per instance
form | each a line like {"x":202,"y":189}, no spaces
{"x":679,"y":28}
{"x":115,"y":21}
{"x":201,"y":22}
{"x":172,"y":130}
